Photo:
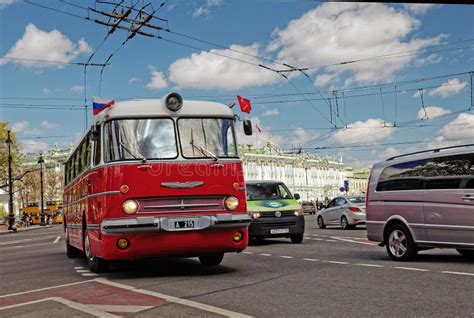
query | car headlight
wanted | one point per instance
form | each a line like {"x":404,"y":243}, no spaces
{"x":231,"y":203}
{"x":130,"y":207}
{"x":256,"y":215}
{"x":298,"y":212}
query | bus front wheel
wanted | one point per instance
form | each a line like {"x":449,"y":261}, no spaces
{"x":211,"y":260}
{"x":96,"y":264}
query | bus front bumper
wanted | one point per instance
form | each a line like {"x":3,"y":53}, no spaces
{"x":146,"y":224}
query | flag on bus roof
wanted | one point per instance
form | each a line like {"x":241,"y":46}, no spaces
{"x":99,"y":104}
{"x":244,"y":103}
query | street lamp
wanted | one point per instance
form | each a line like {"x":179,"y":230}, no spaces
{"x":41,"y":162}
{"x":11,"y":216}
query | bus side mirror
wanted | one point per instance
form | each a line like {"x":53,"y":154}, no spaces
{"x":247,"y":127}
{"x":297,"y":196}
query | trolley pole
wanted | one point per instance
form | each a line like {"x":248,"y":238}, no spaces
{"x":41,"y":162}
{"x":11,"y":216}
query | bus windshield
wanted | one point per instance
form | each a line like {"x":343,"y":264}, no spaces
{"x":207,"y":137}
{"x":140,"y":139}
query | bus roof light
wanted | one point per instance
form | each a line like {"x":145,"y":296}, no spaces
{"x":173,"y":101}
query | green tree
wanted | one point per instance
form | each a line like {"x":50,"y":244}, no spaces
{"x":15,"y":151}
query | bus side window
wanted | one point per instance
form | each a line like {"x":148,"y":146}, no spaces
{"x":97,"y":147}
{"x":87,"y":158}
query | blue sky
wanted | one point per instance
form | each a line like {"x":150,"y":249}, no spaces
{"x":300,"y":33}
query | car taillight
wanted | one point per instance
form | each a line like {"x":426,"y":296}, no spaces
{"x":354,"y":209}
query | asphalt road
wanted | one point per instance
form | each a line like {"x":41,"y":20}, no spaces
{"x":332,"y":273}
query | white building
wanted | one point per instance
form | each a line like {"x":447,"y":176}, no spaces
{"x":312,"y":176}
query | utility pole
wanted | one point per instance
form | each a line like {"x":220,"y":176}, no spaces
{"x":11,"y":216}
{"x":41,"y":162}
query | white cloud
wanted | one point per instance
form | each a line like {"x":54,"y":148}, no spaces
{"x":46,"y":91}
{"x":431,"y":112}
{"x":460,"y":128}
{"x":77,"y":89}
{"x":33,"y":146}
{"x":6,"y":3}
{"x":332,"y":33}
{"x":157,"y":80}
{"x":430,"y":59}
{"x":257,"y":139}
{"x":209,"y":71}
{"x":451,"y":87}
{"x":42,"y":45}
{"x":205,"y":8}
{"x":418,"y":8}
{"x":368,"y":132}
{"x":23,"y":127}
{"x":133,"y":80}
{"x":271,"y":112}
{"x":46,"y":124}
{"x":301,"y":137}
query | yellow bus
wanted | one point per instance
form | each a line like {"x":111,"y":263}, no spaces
{"x":54,"y":209}
{"x":32,"y":212}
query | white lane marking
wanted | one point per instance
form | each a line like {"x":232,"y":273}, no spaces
{"x":83,"y":271}
{"x":352,"y":241}
{"x":317,"y":239}
{"x":89,"y":274}
{"x":264,"y":254}
{"x":330,"y":240}
{"x":23,"y":246}
{"x":47,"y":288}
{"x":118,"y":308}
{"x":335,"y":262}
{"x":249,"y":253}
{"x":458,"y":273}
{"x":412,"y":269}
{"x":27,"y":240}
{"x":311,"y":259}
{"x":84,"y":308}
{"x":369,"y":265}
{"x":286,"y":256}
{"x":185,"y":302}
{"x":78,"y":267}
{"x":57,"y":239}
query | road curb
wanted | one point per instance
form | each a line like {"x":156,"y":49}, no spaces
{"x":25,"y":229}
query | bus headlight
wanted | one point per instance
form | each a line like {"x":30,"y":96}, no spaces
{"x":130,"y":207}
{"x":298,"y":212}
{"x":231,"y":203}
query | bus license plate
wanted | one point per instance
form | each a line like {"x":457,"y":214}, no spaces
{"x":189,"y":224}
{"x":279,"y":231}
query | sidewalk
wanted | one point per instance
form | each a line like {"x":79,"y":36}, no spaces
{"x":4,"y":229}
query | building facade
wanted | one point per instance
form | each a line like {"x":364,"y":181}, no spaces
{"x":312,"y":176}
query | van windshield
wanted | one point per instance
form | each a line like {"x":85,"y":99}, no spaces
{"x":267,"y":191}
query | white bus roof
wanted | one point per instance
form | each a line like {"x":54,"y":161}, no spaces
{"x":155,"y":107}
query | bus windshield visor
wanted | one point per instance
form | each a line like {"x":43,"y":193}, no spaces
{"x":142,"y":139}
{"x":207,"y":138}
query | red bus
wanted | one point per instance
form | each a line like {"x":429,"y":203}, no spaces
{"x":155,"y":178}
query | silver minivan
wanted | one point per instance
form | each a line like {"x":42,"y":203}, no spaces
{"x":423,"y":200}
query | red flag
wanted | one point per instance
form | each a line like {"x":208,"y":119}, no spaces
{"x":258,"y":127}
{"x":244,"y":103}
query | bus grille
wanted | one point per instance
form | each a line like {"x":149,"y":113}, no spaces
{"x":272,"y":214}
{"x":277,"y":224}
{"x":181,"y":204}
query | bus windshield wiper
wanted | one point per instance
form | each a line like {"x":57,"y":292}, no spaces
{"x":204,"y":151}
{"x":134,"y":154}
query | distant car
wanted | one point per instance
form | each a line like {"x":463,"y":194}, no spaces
{"x":344,"y":211}
{"x":309,"y":207}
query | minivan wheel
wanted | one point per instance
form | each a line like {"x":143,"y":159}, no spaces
{"x":297,"y":238}
{"x":466,"y":253}
{"x":321,"y":224}
{"x":399,"y":244}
